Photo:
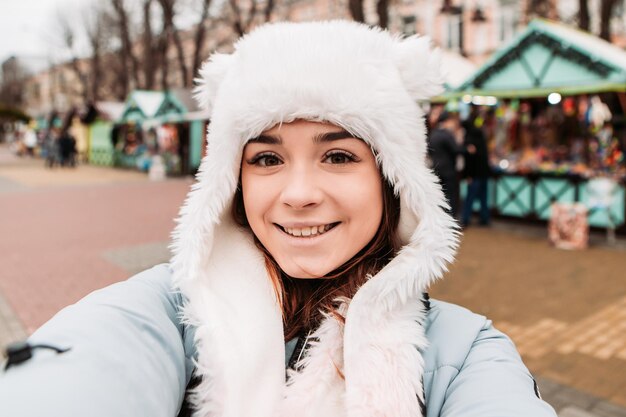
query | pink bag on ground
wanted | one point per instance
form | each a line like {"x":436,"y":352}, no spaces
{"x":568,"y":227}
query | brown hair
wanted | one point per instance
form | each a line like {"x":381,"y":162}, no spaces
{"x":304,"y":301}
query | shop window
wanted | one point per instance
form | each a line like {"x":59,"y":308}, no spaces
{"x":480,"y":40}
{"x":408,"y":25}
{"x":508,"y":23}
{"x":618,"y":20}
{"x":453,"y":32}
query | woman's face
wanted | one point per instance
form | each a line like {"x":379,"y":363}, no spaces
{"x":312,"y":195}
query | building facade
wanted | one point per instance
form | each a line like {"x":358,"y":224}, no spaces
{"x":473,"y":29}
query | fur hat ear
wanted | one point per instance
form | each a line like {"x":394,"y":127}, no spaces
{"x":212,"y":73}
{"x":419,"y":67}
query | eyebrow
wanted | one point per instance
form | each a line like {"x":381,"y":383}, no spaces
{"x":331,"y":136}
{"x":267,"y":139}
{"x":319,"y":138}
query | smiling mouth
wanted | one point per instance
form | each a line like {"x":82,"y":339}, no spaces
{"x":307,"y":232}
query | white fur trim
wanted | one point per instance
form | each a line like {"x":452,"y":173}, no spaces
{"x":317,"y":389}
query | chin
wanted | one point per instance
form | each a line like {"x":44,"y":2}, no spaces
{"x":298,"y":272}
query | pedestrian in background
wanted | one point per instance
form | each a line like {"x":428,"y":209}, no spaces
{"x":443,"y":150}
{"x":51,"y":145}
{"x":476,"y":172}
{"x":30,"y":141}
{"x":67,"y":149}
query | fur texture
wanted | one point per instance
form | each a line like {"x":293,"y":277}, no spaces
{"x":366,"y":81}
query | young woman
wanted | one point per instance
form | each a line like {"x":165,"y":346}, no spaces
{"x":301,"y":262}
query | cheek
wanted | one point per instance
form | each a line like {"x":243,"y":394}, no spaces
{"x":363,"y":202}
{"x":372,"y":207}
{"x":254,"y":199}
{"x":259,"y":200}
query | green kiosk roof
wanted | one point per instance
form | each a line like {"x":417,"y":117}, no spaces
{"x":143,"y":105}
{"x":549,"y":57}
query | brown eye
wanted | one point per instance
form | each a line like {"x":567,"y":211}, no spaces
{"x":339,"y":157}
{"x":265,"y":160}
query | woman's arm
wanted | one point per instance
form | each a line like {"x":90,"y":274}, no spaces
{"x":493,"y":382}
{"x":127,"y":356}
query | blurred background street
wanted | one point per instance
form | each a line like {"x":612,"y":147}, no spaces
{"x":100,"y":138}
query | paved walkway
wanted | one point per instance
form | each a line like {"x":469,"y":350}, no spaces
{"x":28,"y":173}
{"x":68,"y":232}
{"x":565,"y":310}
{"x":63,"y":231}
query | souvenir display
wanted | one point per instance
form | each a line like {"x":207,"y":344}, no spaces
{"x":578,"y":136}
{"x":545,"y":151}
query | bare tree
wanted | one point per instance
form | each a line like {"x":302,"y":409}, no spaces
{"x":241,"y":24}
{"x":382,"y":10}
{"x":200,"y":35}
{"x":114,"y":74}
{"x":163,"y":44}
{"x":95,"y":28}
{"x":540,"y":8}
{"x":150,"y":46}
{"x":69,"y":34}
{"x":583,"y":15}
{"x":113,"y":79}
{"x":164,"y":66}
{"x":128,"y":58}
{"x":169,"y":30}
{"x":246,"y":13}
{"x":606,"y":13}
{"x":269,"y":8}
{"x":446,"y":6}
{"x":356,"y":10}
{"x":12,"y":86}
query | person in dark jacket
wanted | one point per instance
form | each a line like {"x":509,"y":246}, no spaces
{"x":443,"y":151}
{"x":476,"y":172}
{"x":67,"y":149}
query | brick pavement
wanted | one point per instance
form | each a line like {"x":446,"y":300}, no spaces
{"x":58,"y":227}
{"x":134,"y":259}
{"x":601,"y":335}
{"x":11,"y":329}
{"x":30,"y":174}
{"x":569,"y":402}
{"x":566,"y":311}
{"x":67,"y":236}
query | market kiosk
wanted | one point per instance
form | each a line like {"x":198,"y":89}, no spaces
{"x":556,"y":121}
{"x":189,"y":128}
{"x":99,"y":121}
{"x":164,"y":124}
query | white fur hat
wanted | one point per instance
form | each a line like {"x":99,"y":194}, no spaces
{"x":366,"y":81}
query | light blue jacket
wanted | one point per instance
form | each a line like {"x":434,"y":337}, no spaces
{"x":131,"y":356}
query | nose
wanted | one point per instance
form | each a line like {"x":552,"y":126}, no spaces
{"x":302,"y":189}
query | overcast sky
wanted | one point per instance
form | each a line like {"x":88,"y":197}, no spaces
{"x":30,"y":27}
{"x":27,"y":26}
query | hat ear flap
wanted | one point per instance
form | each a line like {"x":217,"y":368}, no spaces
{"x":419,"y":67}
{"x":212,"y":73}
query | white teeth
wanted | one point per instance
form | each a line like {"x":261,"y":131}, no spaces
{"x":308,"y":231}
